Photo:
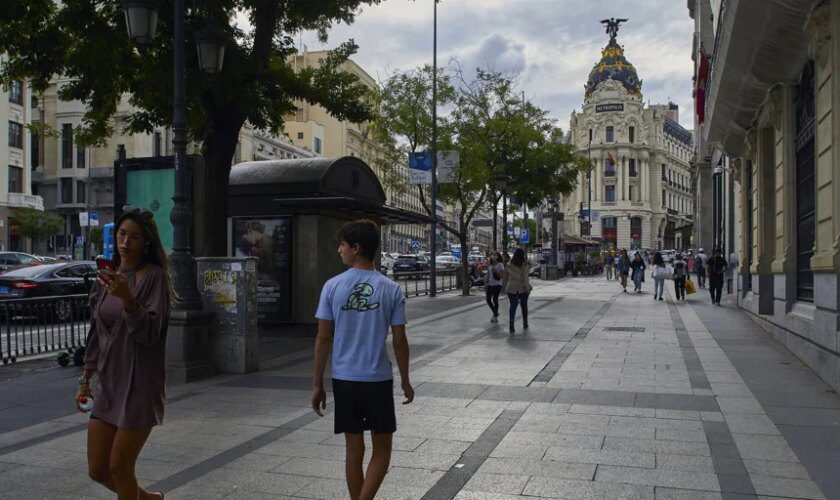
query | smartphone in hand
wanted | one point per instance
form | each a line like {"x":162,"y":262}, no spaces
{"x":104,"y":265}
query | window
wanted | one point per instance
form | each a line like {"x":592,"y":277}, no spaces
{"x":663,"y":197}
{"x":80,"y":157}
{"x":66,"y":190}
{"x":632,"y":134}
{"x":80,"y":192}
{"x":632,"y":163}
{"x":609,"y":231}
{"x":632,"y":198}
{"x":67,"y":146}
{"x":609,"y":167}
{"x":156,"y":144}
{"x":610,"y":134}
{"x":300,"y":135}
{"x":318,"y":145}
{"x":805,"y":184}
{"x":16,"y":92}
{"x":15,"y":135}
{"x":636,"y":232}
{"x":15,"y":179}
{"x":34,"y":150}
{"x":609,"y":192}
{"x":33,"y":101}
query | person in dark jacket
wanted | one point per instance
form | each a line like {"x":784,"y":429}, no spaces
{"x":680,"y":274}
{"x":637,"y":268}
{"x":716,"y":271}
{"x":622,"y":268}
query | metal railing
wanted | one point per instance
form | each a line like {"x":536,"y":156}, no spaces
{"x":416,"y":283}
{"x":40,"y":325}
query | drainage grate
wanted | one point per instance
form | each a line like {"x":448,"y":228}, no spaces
{"x":624,"y":328}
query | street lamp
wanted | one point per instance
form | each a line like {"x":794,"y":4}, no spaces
{"x":502,"y":183}
{"x":141,"y":22}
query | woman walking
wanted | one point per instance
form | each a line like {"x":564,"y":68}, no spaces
{"x":680,"y":273}
{"x":495,"y":268}
{"x":637,"y":269}
{"x":517,"y":287}
{"x":622,"y":268}
{"x":659,"y":273}
{"x":126,"y":349}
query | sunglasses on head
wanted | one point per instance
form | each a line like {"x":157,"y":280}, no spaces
{"x":135,"y":210}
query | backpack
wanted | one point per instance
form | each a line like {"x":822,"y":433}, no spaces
{"x":679,"y":269}
{"x":698,"y":262}
{"x":718,"y":265}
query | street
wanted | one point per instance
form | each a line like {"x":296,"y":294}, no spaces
{"x":607,"y":395}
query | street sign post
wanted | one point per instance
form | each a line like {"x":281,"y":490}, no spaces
{"x":415,"y":245}
{"x":526,"y":236}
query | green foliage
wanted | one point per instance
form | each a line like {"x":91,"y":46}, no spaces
{"x":36,"y":224}
{"x":96,"y":236}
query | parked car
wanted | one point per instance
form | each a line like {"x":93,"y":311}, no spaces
{"x":14,"y":260}
{"x":47,"y":259}
{"x":50,"y":280}
{"x":409,"y":263}
{"x":387,"y":262}
{"x":447,"y":262}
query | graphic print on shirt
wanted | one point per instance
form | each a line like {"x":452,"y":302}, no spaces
{"x":357,"y":301}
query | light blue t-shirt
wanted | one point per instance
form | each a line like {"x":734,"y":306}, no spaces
{"x":363,"y":304}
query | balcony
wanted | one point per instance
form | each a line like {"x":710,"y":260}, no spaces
{"x":20,"y":200}
{"x":609,"y":173}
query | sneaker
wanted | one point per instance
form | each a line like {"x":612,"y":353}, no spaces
{"x":494,"y":319}
{"x":660,"y":298}
{"x":512,"y":328}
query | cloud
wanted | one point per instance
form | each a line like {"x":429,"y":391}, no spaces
{"x":553,"y":44}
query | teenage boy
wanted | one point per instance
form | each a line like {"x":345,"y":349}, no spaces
{"x":354,"y":314}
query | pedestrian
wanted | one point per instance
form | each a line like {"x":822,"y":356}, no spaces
{"x":716,"y":269}
{"x":637,"y":268}
{"x":517,"y":287}
{"x":609,"y":263}
{"x":354,"y":313}
{"x":495,"y":269}
{"x":700,"y":261}
{"x":646,"y":258}
{"x":126,"y":350}
{"x":659,"y":274}
{"x":680,"y":273}
{"x":730,"y":271}
{"x":622,"y":268}
{"x":689,"y":263}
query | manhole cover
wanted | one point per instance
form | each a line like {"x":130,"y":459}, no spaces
{"x":624,"y":329}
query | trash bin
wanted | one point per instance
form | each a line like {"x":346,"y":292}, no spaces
{"x":228,"y":287}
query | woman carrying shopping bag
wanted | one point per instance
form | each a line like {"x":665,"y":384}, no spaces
{"x":680,"y":271}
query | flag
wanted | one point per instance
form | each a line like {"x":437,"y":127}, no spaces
{"x":700,"y":89}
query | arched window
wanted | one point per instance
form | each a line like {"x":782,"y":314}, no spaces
{"x":609,"y":232}
{"x":636,"y":232}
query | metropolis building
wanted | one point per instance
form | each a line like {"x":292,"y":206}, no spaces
{"x":640,"y":188}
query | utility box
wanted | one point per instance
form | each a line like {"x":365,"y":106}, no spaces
{"x":549,"y":272}
{"x":228,"y":287}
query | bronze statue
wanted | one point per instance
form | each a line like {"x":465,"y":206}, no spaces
{"x":612,"y":26}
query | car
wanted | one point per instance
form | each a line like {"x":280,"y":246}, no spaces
{"x":14,"y":260}
{"x":405,"y":264}
{"x":50,"y":280}
{"x":47,"y":259}
{"x":478,"y":261}
{"x":447,"y":262}
{"x":387,"y":261}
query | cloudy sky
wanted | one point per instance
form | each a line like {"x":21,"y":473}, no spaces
{"x":552,"y":44}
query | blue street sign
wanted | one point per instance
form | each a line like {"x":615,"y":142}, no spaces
{"x":415,"y":245}
{"x":455,"y":250}
{"x":510,"y":229}
{"x":526,"y":237}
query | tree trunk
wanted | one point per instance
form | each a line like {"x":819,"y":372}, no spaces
{"x":211,"y":192}
{"x":465,"y":275}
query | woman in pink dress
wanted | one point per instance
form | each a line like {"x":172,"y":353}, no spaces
{"x":126,"y":350}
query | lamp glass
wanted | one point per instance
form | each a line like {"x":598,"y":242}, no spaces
{"x":210,"y":44}
{"x":141,"y":21}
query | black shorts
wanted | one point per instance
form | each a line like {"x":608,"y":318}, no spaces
{"x":364,"y":406}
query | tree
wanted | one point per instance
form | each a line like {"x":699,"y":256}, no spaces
{"x":36,"y":224}
{"x":86,"y":41}
{"x":492,"y":130}
{"x":95,"y":237}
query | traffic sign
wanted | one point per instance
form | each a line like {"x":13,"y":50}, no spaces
{"x":415,"y":245}
{"x":93,"y":218}
{"x":526,"y":236}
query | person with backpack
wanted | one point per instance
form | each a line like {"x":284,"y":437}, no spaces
{"x":494,"y":284}
{"x":659,"y":274}
{"x":680,"y":273}
{"x":716,"y":269}
{"x":622,"y":268}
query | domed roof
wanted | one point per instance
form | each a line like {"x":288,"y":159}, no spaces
{"x":613,"y":66}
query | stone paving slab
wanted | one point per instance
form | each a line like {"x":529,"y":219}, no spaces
{"x":606,"y":396}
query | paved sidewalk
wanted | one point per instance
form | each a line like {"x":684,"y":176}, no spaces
{"x":608,"y":395}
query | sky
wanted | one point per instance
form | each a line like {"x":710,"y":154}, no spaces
{"x":551,"y":44}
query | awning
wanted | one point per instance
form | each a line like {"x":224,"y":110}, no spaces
{"x":359,"y":208}
{"x":573,"y":240}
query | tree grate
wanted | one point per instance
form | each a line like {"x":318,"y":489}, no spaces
{"x":624,"y":329}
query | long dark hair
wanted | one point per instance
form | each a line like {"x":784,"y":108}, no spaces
{"x":154,"y":252}
{"x":657,"y":259}
{"x":518,"y":258}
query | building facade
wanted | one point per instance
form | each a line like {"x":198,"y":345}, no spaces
{"x":639,"y":191}
{"x":16,"y":157}
{"x":772,"y":105}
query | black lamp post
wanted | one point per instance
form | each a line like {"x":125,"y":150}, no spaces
{"x":141,"y":22}
{"x":502,"y":183}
